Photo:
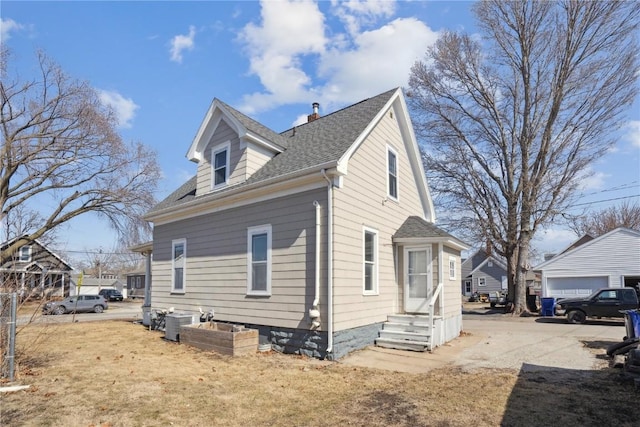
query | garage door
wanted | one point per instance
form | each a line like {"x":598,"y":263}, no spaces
{"x":570,"y":287}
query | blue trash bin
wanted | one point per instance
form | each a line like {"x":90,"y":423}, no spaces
{"x":548,"y":306}
{"x":632,"y":320}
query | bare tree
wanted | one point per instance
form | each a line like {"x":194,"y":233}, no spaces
{"x":511,"y":122}
{"x":598,"y":223}
{"x":62,"y":157}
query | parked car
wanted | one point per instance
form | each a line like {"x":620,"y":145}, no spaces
{"x":78,"y":304}
{"x":497,"y":298}
{"x":606,"y":302}
{"x":111,"y":294}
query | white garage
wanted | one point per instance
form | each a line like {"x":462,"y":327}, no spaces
{"x":610,"y":260}
{"x":572,"y":287}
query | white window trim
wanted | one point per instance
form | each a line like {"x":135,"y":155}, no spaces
{"x":184,"y":266}
{"x":251,"y":231}
{"x":390,"y":149}
{"x":376,"y":262}
{"x":215,"y":150}
{"x":452,"y":273}
{"x":29,"y":251}
{"x":482,"y":282}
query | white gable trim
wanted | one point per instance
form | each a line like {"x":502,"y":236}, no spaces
{"x":586,"y":245}
{"x":486,"y":260}
{"x":397,"y":104}
{"x":211,"y":121}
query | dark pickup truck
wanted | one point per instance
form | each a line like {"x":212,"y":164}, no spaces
{"x":606,"y":302}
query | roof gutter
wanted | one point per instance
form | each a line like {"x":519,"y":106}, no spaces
{"x":246,"y":191}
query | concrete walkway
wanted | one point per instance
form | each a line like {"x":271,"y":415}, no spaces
{"x":500,"y":341}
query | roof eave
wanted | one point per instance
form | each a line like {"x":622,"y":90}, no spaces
{"x":257,"y":187}
{"x":421,"y":240}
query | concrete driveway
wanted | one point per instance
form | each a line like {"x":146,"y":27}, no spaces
{"x":502,"y":341}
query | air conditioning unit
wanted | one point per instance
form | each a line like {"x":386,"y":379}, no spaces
{"x":172,"y":325}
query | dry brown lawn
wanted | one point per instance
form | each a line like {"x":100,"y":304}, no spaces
{"x":117,"y":373}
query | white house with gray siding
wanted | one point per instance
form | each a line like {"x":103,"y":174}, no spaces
{"x":610,"y":260}
{"x":322,"y":236}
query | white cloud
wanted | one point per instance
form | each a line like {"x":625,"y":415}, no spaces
{"x":296,"y":61}
{"x":7,"y":26}
{"x":632,"y":133}
{"x":180,"y":43}
{"x":289,"y":31}
{"x":376,"y":62}
{"x":553,"y":240}
{"x":593,"y":180}
{"x":124,"y":108}
{"x":358,"y":13}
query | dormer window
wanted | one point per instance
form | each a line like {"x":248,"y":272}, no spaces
{"x":392,"y":173}
{"x":24,"y":254}
{"x":220,"y":166}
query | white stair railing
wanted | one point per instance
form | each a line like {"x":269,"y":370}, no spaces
{"x":432,"y":303}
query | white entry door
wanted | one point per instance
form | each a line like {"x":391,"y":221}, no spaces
{"x":417,"y":279}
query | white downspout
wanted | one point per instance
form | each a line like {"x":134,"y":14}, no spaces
{"x":329,"y":262}
{"x":314,"y":312}
{"x":441,"y":268}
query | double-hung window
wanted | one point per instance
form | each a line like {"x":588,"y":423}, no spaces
{"x":259,"y":260}
{"x":370,"y":261}
{"x":25,"y":254}
{"x":482,"y":281}
{"x":220,"y":166}
{"x":452,"y":268}
{"x":392,"y":173}
{"x":178,"y":265}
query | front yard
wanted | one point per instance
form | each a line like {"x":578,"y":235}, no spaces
{"x":117,"y":373}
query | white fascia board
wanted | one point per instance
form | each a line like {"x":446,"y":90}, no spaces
{"x":292,"y":183}
{"x":399,"y":106}
{"x":54,"y":254}
{"x":486,"y":260}
{"x":258,"y":140}
{"x":207,"y":127}
{"x":409,"y":137}
{"x":454,"y":243}
{"x":556,"y":258}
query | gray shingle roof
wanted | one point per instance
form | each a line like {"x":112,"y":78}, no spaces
{"x":415,"y":226}
{"x":312,"y":144}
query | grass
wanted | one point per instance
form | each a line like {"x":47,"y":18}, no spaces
{"x":117,"y":373}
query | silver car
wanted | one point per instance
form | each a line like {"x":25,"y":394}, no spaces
{"x":78,"y":304}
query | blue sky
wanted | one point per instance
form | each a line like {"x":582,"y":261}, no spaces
{"x":160,"y":64}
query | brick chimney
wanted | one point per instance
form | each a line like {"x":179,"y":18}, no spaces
{"x":315,"y":115}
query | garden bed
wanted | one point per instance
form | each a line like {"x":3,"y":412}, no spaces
{"x":223,"y":338}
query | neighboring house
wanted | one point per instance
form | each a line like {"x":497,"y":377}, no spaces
{"x":35,"y":270}
{"x":314,"y":236}
{"x":135,"y":284}
{"x":483,"y":273}
{"x":610,"y":260}
{"x":93,"y":285}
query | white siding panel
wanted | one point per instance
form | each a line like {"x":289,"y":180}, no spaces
{"x":613,"y":256}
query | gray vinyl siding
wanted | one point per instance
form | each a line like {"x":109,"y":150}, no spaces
{"x":216,"y":262}
{"x":493,"y":278}
{"x":362,"y":203}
